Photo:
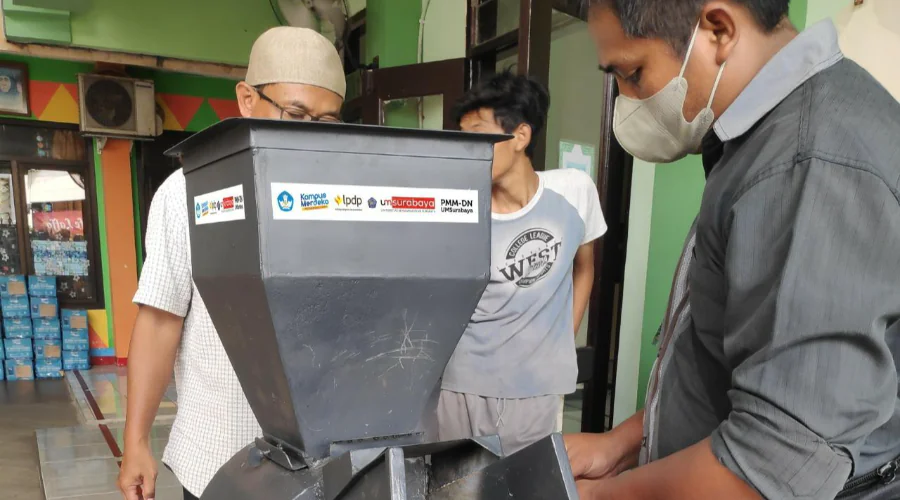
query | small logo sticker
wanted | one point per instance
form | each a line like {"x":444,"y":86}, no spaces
{"x":285,"y":201}
{"x":224,"y":205}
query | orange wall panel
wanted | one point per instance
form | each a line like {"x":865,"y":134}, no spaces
{"x":116,"y":161}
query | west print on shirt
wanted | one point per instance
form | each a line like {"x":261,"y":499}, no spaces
{"x":530,"y":257}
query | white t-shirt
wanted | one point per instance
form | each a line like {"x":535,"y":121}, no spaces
{"x":520,"y":342}
{"x":214,"y":420}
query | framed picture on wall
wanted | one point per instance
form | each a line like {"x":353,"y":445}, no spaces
{"x":14,"y":89}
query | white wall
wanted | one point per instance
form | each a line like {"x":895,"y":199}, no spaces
{"x":634,"y":288}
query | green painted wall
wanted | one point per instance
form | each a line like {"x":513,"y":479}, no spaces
{"x":183,"y":84}
{"x":219,"y":31}
{"x":392,"y":31}
{"x":392,"y":35}
{"x":104,"y":248}
{"x":53,"y":70}
{"x":797,"y":13}
{"x":28,"y":24}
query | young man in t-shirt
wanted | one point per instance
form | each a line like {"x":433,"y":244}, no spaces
{"x":517,"y":357}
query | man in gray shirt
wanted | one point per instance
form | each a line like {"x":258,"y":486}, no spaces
{"x":777,"y":373}
{"x":516,"y":359}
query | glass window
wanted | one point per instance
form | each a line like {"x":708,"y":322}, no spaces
{"x":37,"y":142}
{"x":56,"y":231}
{"x":10,"y":254}
{"x":496,"y":18}
{"x":47,"y":206}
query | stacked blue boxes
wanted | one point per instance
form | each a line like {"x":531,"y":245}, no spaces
{"x":18,"y":347}
{"x":75,"y":340}
{"x":46,"y":327}
{"x":17,"y":334}
{"x":39,"y":340}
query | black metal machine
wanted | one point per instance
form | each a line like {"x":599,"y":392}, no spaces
{"x":340,"y":265}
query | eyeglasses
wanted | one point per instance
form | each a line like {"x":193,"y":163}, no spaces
{"x":296,"y":115}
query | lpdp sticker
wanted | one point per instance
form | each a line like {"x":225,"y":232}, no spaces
{"x":224,"y":205}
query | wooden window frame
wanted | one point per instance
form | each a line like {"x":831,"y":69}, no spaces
{"x":19,"y":167}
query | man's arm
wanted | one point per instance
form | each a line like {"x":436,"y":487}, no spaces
{"x":812,"y":267}
{"x":691,"y":473}
{"x":151,"y":362}
{"x":608,"y":454}
{"x":582,"y":281}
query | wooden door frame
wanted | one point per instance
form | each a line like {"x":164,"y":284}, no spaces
{"x":445,"y":78}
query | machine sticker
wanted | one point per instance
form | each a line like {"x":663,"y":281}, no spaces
{"x":372,"y":203}
{"x":224,"y":205}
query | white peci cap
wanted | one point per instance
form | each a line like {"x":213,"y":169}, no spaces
{"x":296,"y":55}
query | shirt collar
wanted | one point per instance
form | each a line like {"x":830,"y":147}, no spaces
{"x":812,"y":51}
{"x":711,"y":150}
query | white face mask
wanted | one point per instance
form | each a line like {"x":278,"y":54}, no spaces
{"x":654,"y":129}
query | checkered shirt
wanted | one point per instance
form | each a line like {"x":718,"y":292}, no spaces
{"x":214,"y":420}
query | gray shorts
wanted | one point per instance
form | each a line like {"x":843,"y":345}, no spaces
{"x":518,"y":422}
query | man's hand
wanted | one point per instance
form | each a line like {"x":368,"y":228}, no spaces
{"x":595,"y":456}
{"x":603,"y":456}
{"x":137,"y":477}
{"x":593,"y":489}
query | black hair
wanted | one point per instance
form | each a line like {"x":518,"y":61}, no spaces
{"x":673,"y":21}
{"x":513,"y":99}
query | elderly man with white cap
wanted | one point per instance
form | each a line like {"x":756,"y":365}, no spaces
{"x":295,"y":74}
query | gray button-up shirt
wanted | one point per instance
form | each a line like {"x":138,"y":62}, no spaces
{"x":789,"y":355}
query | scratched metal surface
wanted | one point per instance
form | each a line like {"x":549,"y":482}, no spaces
{"x":339,"y":331}
{"x":539,"y":472}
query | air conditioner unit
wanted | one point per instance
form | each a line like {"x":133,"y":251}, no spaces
{"x":113,"y":106}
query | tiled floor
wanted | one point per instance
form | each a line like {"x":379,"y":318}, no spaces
{"x":24,"y":407}
{"x":82,"y":462}
{"x":572,"y":413}
{"x":101,"y":394}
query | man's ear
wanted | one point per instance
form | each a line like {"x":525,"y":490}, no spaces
{"x":522,"y":137}
{"x":718,"y":18}
{"x":246,"y":98}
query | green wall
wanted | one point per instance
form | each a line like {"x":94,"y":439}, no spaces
{"x":392,"y":31}
{"x":205,"y":30}
{"x":392,"y":35}
{"x":220,"y":31}
{"x":179,"y":83}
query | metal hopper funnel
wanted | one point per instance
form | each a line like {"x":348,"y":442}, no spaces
{"x":340,"y":265}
